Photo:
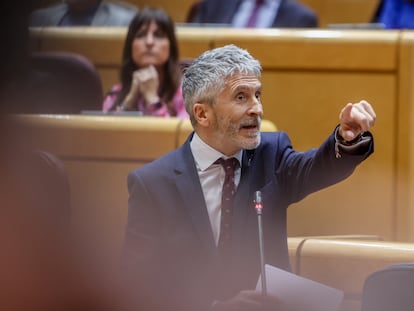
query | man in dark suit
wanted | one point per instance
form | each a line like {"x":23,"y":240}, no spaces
{"x":184,"y":251}
{"x":271,"y":13}
{"x":84,"y":13}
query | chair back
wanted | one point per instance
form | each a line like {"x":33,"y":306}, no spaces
{"x":391,"y":288}
{"x":61,"y":83}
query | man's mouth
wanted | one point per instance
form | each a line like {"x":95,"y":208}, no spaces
{"x":250,"y":125}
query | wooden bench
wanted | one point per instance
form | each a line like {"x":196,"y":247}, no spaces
{"x":98,"y":152}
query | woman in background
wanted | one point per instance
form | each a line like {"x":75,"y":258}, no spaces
{"x":150,"y":73}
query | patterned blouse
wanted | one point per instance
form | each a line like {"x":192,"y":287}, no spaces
{"x":159,"y":110}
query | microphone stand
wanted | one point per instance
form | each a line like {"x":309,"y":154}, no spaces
{"x":259,"y":208}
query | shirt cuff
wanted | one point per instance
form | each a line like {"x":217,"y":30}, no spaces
{"x":357,"y":146}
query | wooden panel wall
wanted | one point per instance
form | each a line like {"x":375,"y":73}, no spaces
{"x":342,"y":11}
{"x":405,"y":138}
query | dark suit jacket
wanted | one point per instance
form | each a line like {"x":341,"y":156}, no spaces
{"x":169,"y":246}
{"x":291,"y":14}
{"x":107,"y":14}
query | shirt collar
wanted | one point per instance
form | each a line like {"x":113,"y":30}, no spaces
{"x":205,"y":156}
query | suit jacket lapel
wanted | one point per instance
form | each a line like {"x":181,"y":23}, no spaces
{"x":56,"y":17}
{"x":188,"y":185}
{"x":192,"y":195}
{"x":281,"y":15}
{"x":101,"y":15}
{"x":228,"y":12}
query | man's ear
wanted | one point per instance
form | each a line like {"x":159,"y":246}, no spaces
{"x":202,"y":114}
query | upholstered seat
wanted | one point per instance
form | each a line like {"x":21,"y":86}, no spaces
{"x":390,"y":289}
{"x":59,"y":83}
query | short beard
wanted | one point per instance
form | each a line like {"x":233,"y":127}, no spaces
{"x":232,"y":131}
{"x":253,"y":144}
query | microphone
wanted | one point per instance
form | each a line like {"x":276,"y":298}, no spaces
{"x":259,"y":208}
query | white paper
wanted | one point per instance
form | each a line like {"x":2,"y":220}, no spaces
{"x":299,"y":293}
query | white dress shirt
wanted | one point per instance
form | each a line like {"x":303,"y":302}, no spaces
{"x":212,"y":179}
{"x":266,"y":14}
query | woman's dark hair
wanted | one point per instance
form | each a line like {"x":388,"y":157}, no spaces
{"x":172,"y":69}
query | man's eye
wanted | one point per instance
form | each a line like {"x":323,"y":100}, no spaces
{"x":240,"y":97}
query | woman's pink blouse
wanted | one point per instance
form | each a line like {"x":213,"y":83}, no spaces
{"x":159,"y":111}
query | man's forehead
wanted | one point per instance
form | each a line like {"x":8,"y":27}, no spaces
{"x":243,"y":80}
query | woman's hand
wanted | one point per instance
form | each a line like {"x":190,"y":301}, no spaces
{"x":145,"y":82}
{"x":148,"y":84}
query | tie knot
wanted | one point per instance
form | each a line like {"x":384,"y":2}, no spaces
{"x":229,"y":165}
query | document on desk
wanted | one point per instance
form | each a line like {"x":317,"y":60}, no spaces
{"x":299,"y":293}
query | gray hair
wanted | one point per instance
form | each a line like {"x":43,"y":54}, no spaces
{"x":207,"y":75}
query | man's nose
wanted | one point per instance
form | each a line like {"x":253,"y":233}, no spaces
{"x":256,"y":108}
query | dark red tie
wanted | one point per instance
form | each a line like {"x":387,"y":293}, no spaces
{"x":253,"y":17}
{"x":229,"y":188}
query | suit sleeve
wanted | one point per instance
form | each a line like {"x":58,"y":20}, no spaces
{"x":302,"y":173}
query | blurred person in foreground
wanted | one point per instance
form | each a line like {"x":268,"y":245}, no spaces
{"x":84,"y":13}
{"x":44,"y":264}
{"x":151,"y":72}
{"x":186,"y":245}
